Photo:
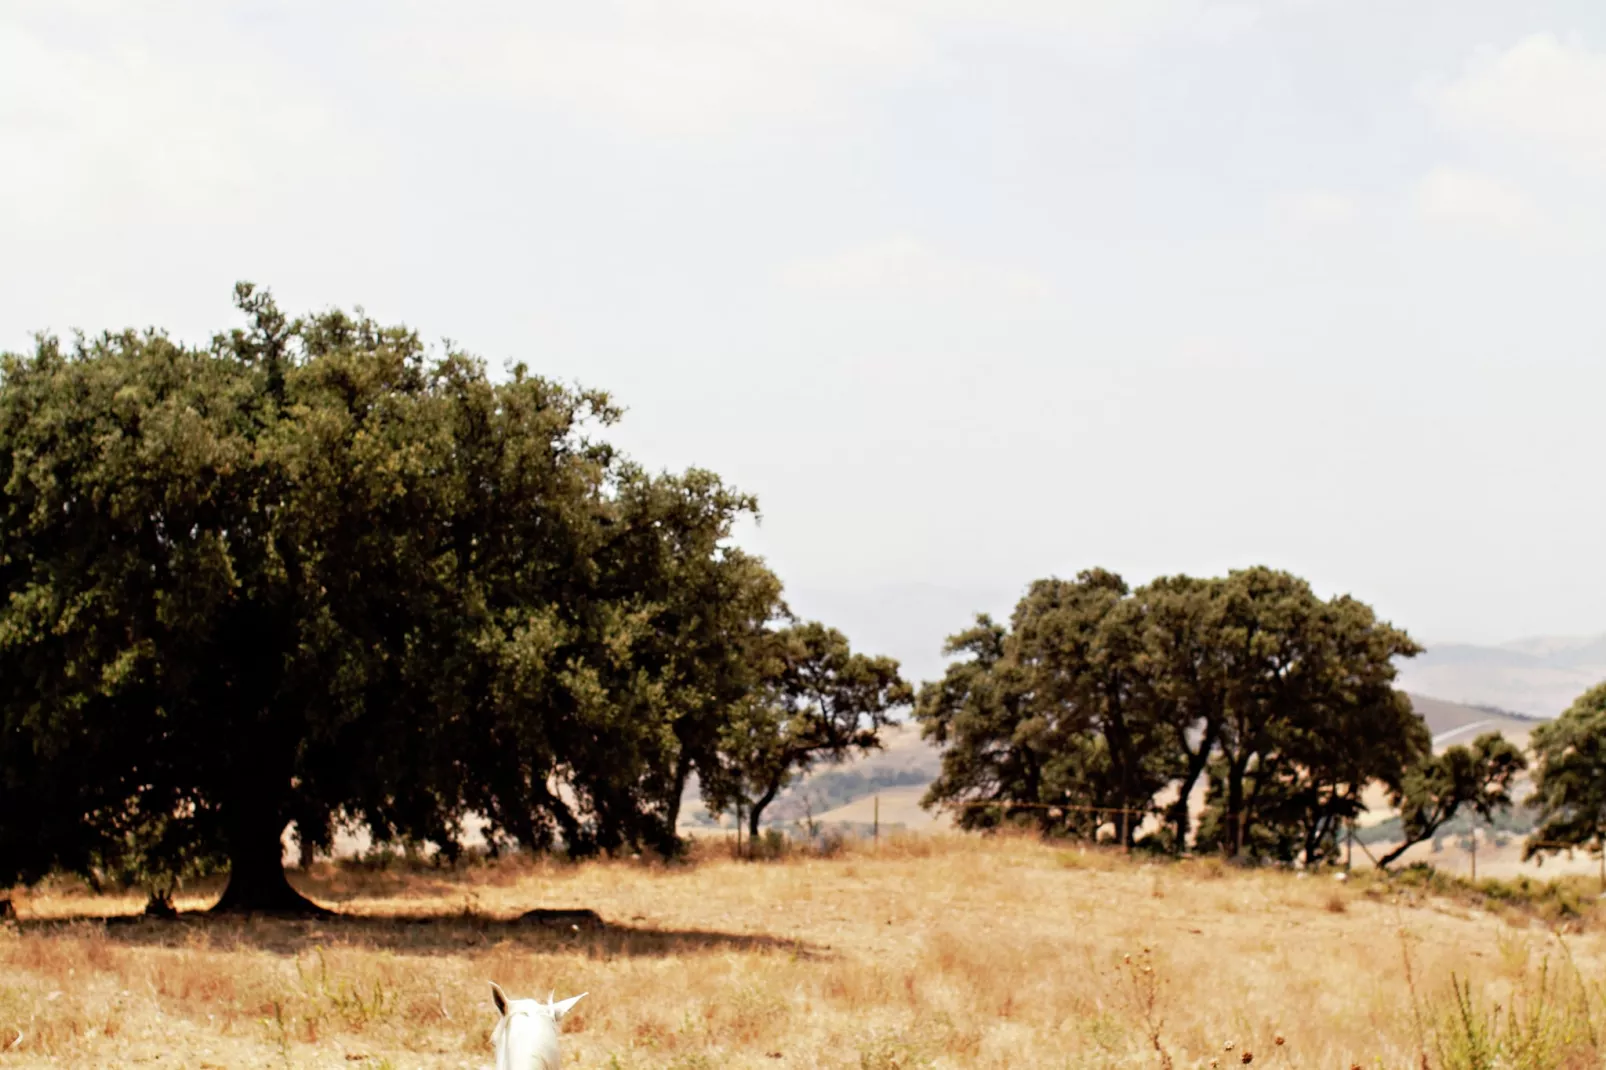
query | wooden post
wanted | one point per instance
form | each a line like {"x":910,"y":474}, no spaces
{"x":1349,"y":845}
{"x":738,"y":827}
{"x":1474,"y":854}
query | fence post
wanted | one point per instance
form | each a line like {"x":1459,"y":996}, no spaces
{"x":1474,"y":854}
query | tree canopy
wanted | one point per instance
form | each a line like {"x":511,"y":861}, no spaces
{"x":1570,"y":779}
{"x":1098,"y":701}
{"x":816,"y":700}
{"x":313,"y":573}
{"x":1479,"y":777}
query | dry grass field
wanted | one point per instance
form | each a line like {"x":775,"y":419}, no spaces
{"x":934,"y":951}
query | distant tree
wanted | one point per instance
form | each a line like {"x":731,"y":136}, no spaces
{"x":1080,"y":645}
{"x":1570,"y":779}
{"x":819,"y":702}
{"x":310,"y":573}
{"x":1312,"y":715}
{"x":993,"y":750}
{"x":1052,"y":719}
{"x":1435,"y":789}
{"x":1356,"y":729}
{"x":1097,"y":700}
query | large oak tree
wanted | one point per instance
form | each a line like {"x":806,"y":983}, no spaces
{"x":313,"y":573}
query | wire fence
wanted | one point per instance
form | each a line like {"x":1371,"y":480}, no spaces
{"x":1351,"y":841}
{"x":1123,"y":830}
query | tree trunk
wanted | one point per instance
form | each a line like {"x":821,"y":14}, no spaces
{"x":682,"y":775}
{"x":1235,"y":808}
{"x":1384,"y":862}
{"x":756,"y":811}
{"x":1313,"y":835}
{"x":257,"y":882}
{"x":667,"y":841}
{"x":1426,"y":831}
{"x":1190,"y":778}
{"x":1119,"y":741}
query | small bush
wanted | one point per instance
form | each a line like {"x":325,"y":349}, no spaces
{"x":1552,"y":1023}
{"x":1567,"y":900}
{"x":894,"y":1053}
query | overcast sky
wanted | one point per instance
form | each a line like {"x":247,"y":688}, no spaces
{"x":967,"y":291}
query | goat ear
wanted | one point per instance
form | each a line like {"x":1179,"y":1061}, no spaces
{"x":499,"y":997}
{"x":560,"y":1009}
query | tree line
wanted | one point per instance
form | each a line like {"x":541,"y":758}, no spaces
{"x":315,"y":574}
{"x":312,"y":573}
{"x":1103,"y":706}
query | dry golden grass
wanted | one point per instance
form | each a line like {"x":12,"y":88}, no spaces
{"x":940,"y":951}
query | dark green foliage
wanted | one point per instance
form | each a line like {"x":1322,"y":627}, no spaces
{"x":1436,"y":789}
{"x":1096,"y":700}
{"x":312,"y":573}
{"x":1570,"y":779}
{"x":980,"y":713}
{"x":1312,"y":717}
{"x":815,"y":700}
{"x":1053,"y":721}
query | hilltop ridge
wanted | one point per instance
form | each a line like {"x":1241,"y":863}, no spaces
{"x":1538,"y":676}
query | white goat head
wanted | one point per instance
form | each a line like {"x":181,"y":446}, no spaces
{"x":527,"y":1036}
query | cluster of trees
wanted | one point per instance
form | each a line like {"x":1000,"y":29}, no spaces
{"x":312,"y":573}
{"x":1103,"y":706}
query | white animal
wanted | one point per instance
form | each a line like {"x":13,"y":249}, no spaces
{"x":527,"y":1036}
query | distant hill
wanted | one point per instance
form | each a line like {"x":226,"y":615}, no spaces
{"x":1455,"y":722}
{"x":904,"y":765}
{"x":905,"y":761}
{"x":898,"y":775}
{"x":1587,"y":653}
{"x":1539,"y":676}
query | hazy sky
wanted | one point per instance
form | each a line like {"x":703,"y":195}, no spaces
{"x":967,"y":291}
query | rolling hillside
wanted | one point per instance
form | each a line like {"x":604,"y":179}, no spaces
{"x":902,"y":768}
{"x":1540,"y":676}
{"x":1454,"y":722}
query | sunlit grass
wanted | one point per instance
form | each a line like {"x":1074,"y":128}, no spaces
{"x":941,"y":951}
